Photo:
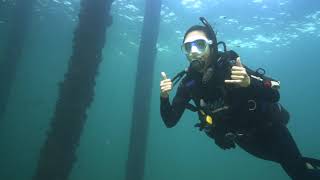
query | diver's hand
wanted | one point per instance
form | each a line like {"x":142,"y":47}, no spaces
{"x":165,"y":85}
{"x":239,"y":75}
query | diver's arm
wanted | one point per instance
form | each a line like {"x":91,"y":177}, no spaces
{"x":264,"y":87}
{"x":172,"y":113}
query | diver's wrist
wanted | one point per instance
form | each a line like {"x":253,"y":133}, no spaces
{"x":164,"y":95}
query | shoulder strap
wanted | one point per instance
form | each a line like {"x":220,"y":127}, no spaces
{"x":179,"y":76}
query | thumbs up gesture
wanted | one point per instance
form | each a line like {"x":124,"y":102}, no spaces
{"x":239,"y":75}
{"x":165,"y":85}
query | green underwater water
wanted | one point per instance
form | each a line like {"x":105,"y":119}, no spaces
{"x":281,"y":36}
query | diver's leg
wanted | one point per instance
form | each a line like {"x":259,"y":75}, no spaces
{"x":259,"y":144}
{"x":287,"y":152}
{"x":290,"y":158}
{"x":276,"y":144}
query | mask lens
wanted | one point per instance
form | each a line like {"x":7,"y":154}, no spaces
{"x":187,"y":47}
{"x":201,"y":44}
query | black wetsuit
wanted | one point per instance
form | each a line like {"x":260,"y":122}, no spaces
{"x":261,"y":131}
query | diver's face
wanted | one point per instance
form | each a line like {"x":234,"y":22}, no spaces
{"x":196,"y":47}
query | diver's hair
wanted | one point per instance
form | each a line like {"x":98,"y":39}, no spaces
{"x":197,"y":28}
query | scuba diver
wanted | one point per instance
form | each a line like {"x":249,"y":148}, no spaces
{"x":235,"y":105}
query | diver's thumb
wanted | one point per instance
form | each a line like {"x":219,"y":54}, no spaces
{"x":164,"y":76}
{"x":238,"y":62}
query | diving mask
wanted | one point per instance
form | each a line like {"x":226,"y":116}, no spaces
{"x":197,"y":47}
